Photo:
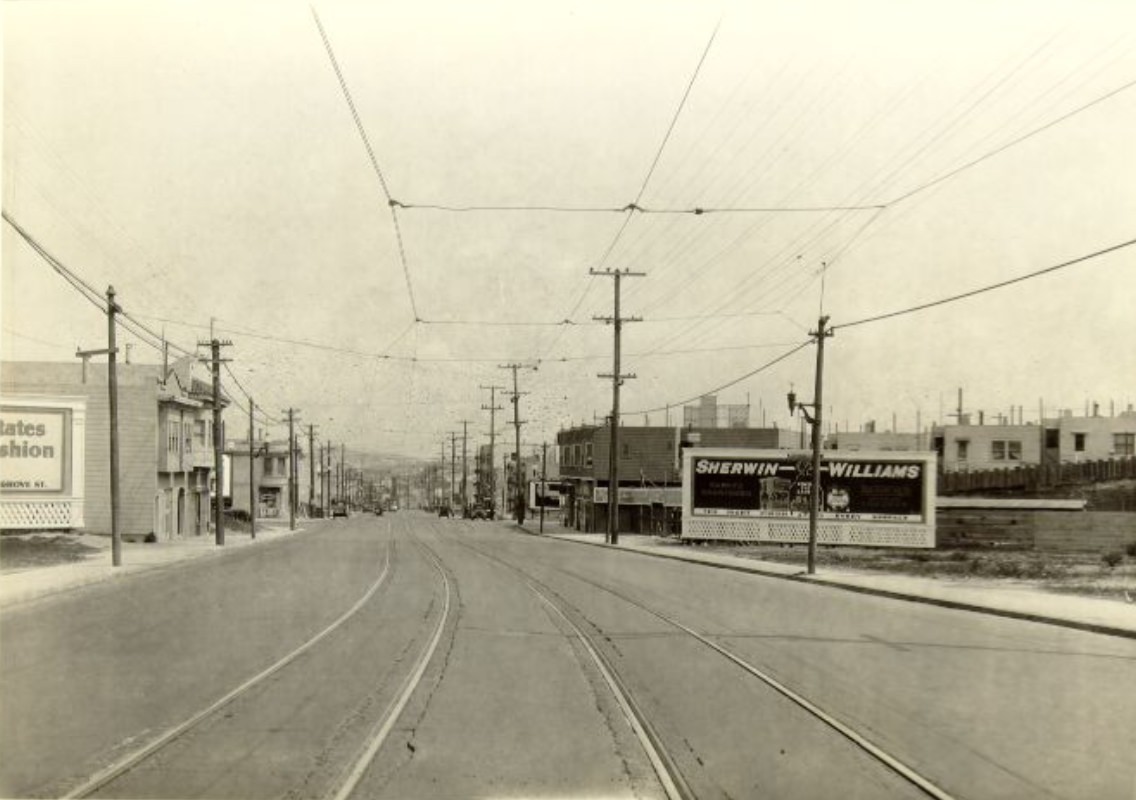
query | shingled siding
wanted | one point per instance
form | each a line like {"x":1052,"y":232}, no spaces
{"x":138,"y":435}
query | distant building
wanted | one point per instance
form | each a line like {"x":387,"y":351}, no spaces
{"x":710,"y":414}
{"x":853,"y":441}
{"x":270,"y":474}
{"x":980,"y":447}
{"x":165,"y":436}
{"x":1062,"y":440}
{"x":1091,"y":438}
{"x":649,"y":468}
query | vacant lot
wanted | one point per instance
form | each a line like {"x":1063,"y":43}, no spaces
{"x":1110,"y":575}
{"x":27,"y":550}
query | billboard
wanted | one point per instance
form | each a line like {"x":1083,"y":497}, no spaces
{"x":35,"y":452}
{"x":42,"y":462}
{"x":865,"y":498}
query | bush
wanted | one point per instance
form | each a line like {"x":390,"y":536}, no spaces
{"x":1130,"y":549}
{"x":1112,"y":558}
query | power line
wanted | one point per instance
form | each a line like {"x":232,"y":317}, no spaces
{"x":726,"y":385}
{"x":991,"y":287}
{"x":123,"y":319}
{"x":1012,"y":143}
{"x":634,"y":207}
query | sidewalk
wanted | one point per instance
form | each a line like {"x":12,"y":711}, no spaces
{"x":24,"y":585}
{"x":1007,"y":600}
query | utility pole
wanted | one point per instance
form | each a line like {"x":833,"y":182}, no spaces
{"x":343,"y":472}
{"x":291,"y":412}
{"x":492,"y":408}
{"x":112,"y":396}
{"x":453,"y":465}
{"x":215,"y":361}
{"x":617,"y":379}
{"x":465,"y":491}
{"x":112,"y":389}
{"x":311,"y":470}
{"x":543,"y":480}
{"x":517,"y":422}
{"x":252,"y":473}
{"x":820,"y":334}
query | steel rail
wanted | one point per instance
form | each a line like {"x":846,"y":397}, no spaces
{"x":922,"y":783}
{"x":670,"y":777}
{"x":131,"y":760}
{"x":381,"y":731}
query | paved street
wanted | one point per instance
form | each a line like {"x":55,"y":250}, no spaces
{"x":447,"y":658}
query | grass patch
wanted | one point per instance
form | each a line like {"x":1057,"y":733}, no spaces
{"x":42,"y":550}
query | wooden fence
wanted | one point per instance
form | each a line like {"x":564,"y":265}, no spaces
{"x":1037,"y":478}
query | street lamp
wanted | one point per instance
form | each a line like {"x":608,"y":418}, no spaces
{"x":814,"y":490}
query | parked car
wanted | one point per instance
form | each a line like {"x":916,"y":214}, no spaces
{"x":339,"y":509}
{"x":443,"y":511}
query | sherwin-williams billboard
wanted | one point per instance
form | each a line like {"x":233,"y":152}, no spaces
{"x":773,"y":489}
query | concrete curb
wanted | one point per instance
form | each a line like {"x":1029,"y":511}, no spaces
{"x":99,"y":574}
{"x":835,"y":583}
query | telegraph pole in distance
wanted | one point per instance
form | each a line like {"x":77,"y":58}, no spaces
{"x":215,"y":360}
{"x":465,"y":491}
{"x":543,"y":480}
{"x":517,"y":422}
{"x":291,"y":412}
{"x":492,"y":408}
{"x":453,"y":466}
{"x":617,"y":379}
{"x":311,"y":470}
{"x":252,"y":473}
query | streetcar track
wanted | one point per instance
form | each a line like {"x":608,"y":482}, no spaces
{"x":663,"y":764}
{"x":893,"y":763}
{"x":382,"y":729}
{"x":134,"y":758}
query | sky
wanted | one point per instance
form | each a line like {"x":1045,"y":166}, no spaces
{"x":849,"y":161}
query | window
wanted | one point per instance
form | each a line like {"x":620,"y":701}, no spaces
{"x":1124,"y":444}
{"x":963,"y":449}
{"x":199,"y":433}
{"x":588,"y":454}
{"x":1079,"y":442}
{"x":173,"y":436}
{"x":1006,"y":450}
{"x":626,"y":451}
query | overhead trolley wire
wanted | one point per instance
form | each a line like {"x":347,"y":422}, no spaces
{"x":646,"y":180}
{"x":392,"y":204}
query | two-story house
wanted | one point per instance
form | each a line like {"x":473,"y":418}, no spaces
{"x":164,"y":442}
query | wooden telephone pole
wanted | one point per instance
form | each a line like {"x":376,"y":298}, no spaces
{"x":519,"y":497}
{"x":617,"y":379}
